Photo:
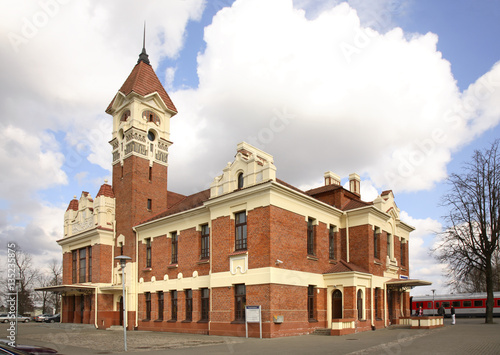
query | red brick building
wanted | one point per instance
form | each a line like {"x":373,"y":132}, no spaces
{"x":313,"y":259}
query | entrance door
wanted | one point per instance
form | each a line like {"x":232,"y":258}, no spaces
{"x":121,"y":310}
{"x":336,"y":304}
{"x":390,"y":304}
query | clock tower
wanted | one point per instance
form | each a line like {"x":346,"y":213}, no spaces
{"x":141,"y":113}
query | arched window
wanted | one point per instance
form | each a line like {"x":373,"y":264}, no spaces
{"x":360,"y":304}
{"x":125,"y":116}
{"x":240,"y":180}
{"x":150,"y":116}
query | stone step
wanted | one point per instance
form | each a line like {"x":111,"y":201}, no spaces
{"x":322,"y":331}
{"x":115,"y":327}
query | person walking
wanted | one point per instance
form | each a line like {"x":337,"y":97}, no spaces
{"x":452,"y":315}
{"x":442,"y":311}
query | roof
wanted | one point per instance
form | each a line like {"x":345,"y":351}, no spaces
{"x":189,"y":202}
{"x":343,"y":266}
{"x":106,"y":190}
{"x":73,"y":205}
{"x":143,"y":81}
{"x":353,"y":204}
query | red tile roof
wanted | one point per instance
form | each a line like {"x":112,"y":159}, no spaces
{"x":73,"y":205}
{"x":106,"y":190}
{"x":343,"y":266}
{"x":189,"y":202}
{"x":143,"y":81}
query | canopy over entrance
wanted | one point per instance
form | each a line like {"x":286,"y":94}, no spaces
{"x":405,"y":284}
{"x":68,"y":288}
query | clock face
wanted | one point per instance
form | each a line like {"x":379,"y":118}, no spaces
{"x":151,"y":136}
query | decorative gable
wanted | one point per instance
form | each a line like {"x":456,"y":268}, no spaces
{"x":250,"y":167}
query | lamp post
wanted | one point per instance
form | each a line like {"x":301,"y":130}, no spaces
{"x":123,"y":262}
{"x":433,"y":302}
{"x":17,"y":280}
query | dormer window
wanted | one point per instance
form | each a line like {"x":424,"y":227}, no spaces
{"x":150,"y":116}
{"x":240,"y":180}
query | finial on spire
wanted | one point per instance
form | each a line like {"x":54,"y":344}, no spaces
{"x":143,"y":57}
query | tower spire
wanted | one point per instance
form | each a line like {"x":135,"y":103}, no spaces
{"x":143,"y":57}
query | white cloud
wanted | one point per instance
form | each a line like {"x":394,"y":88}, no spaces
{"x":62,"y":63}
{"x":379,"y":109}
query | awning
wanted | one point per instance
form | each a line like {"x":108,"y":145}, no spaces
{"x":406,"y":284}
{"x":68,"y":288}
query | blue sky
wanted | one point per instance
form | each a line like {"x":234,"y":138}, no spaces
{"x":401,"y":92}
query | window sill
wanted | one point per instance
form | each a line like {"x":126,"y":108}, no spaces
{"x":203,"y":261}
{"x":377,"y":263}
{"x":146,"y":320}
{"x":172,"y":321}
{"x":147,"y":269}
{"x":312,"y":257}
{"x":173,"y":266}
{"x":158,"y":320}
{"x":203,"y":321}
{"x":313,"y":321}
{"x":187,"y":321}
{"x":333,"y":261}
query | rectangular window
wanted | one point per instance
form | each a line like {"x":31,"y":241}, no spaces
{"x":478,"y":303}
{"x":150,"y":204}
{"x":456,"y":304}
{"x":429,"y":305}
{"x":205,"y":242}
{"x":160,"y":305}
{"x":121,"y":248}
{"x":74,"y":266}
{"x":205,"y":303}
{"x":90,"y":264}
{"x":498,"y":302}
{"x":377,"y":303}
{"x":389,"y":242}
{"x":173,"y":301}
{"x":331,"y":238}
{"x":83,"y":265}
{"x":310,"y":302}
{"x":189,"y":304}
{"x":148,"y":252}
{"x":437,"y":304}
{"x":403,"y":258}
{"x":467,"y":304}
{"x":148,"y":304}
{"x":240,"y":231}
{"x":376,"y":242}
{"x":175,"y":239}
{"x":150,"y":173}
{"x":446,"y":304}
{"x":310,"y":236}
{"x":240,"y":301}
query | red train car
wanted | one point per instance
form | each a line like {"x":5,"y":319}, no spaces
{"x":465,"y":304}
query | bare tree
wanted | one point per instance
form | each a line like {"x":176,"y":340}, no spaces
{"x":471,"y":239}
{"x":27,"y":277}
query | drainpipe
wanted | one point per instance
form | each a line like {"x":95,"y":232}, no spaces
{"x":372,"y":302}
{"x":95,"y":306}
{"x":347,"y":235}
{"x":136,"y":279}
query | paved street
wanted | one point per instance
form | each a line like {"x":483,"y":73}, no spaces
{"x":468,"y":336}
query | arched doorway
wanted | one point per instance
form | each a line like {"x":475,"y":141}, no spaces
{"x":120,"y":310}
{"x":336,"y":304}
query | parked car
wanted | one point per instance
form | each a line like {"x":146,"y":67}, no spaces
{"x":27,"y":349}
{"x":5,"y":318}
{"x":41,"y":317}
{"x":56,"y":318}
{"x":5,"y":349}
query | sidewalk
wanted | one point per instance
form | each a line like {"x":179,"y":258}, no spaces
{"x":468,"y":336}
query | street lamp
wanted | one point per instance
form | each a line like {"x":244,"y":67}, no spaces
{"x":433,"y":301}
{"x":123,"y":262}
{"x":17,"y":280}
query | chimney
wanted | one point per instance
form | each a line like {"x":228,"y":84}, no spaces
{"x":355,"y":183}
{"x":331,"y":179}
